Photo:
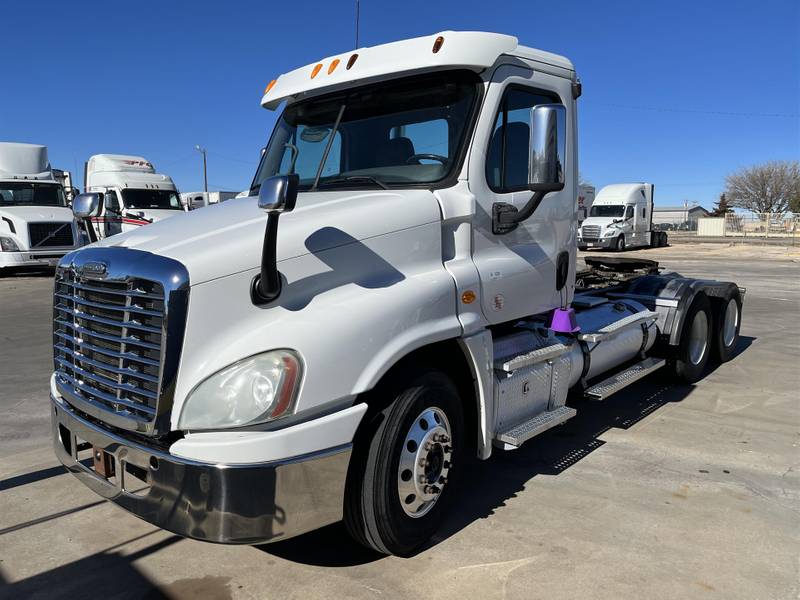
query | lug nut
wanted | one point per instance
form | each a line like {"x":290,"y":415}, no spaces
{"x":446,"y":464}
{"x":422,"y":479}
{"x":431,"y":489}
{"x":423,"y":462}
{"x":442,"y":480}
{"x":448,"y":449}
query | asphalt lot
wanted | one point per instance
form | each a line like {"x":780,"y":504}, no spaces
{"x":662,"y":491}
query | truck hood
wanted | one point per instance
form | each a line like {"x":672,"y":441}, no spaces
{"x":601,"y":221}
{"x":223,"y":239}
{"x":36,"y":214}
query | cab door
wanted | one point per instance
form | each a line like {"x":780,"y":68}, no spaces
{"x":517,"y":270}
{"x":112,"y":208}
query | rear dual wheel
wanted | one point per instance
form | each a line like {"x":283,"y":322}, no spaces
{"x":405,"y":460}
{"x":727,"y":324}
{"x":694,"y":347}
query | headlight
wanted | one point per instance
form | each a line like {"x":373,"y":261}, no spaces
{"x":609,"y":233}
{"x":254,"y":390}
{"x":8,"y":245}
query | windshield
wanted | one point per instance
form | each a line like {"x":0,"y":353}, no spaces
{"x":144,"y":199}
{"x":31,"y":194}
{"x":404,"y":132}
{"x":607,"y":211}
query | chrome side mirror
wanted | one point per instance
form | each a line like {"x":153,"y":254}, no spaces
{"x":278,"y":194}
{"x":547,"y":147}
{"x":86,"y":205}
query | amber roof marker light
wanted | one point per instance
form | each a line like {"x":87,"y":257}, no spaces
{"x":316,"y":70}
{"x":351,"y":61}
{"x":437,"y":45}
{"x":333,"y":66}
{"x":270,"y":85}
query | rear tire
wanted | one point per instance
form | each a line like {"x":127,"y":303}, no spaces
{"x":620,"y":245}
{"x":695,"y":343}
{"x":727,"y":323}
{"x":402,"y":471}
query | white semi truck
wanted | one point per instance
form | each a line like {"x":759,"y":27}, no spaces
{"x":586,"y":194}
{"x":133,"y":193}
{"x":36,"y":226}
{"x":621,"y":217}
{"x":237,"y":380}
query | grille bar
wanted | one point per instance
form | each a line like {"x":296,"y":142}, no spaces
{"x":104,"y":381}
{"x":106,"y":397}
{"x":129,"y":339}
{"x":119,"y":292}
{"x":105,"y":366}
{"x":113,"y":323}
{"x":129,"y":356}
{"x":116,"y":307}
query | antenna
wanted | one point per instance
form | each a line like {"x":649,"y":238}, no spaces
{"x":358,"y":10}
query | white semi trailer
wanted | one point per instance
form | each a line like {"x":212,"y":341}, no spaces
{"x":36,"y":226}
{"x":133,"y":194}
{"x":621,"y":217}
{"x":237,"y":381}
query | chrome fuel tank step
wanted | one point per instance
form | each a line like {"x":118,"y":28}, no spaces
{"x":613,"y":384}
{"x":524,"y":431}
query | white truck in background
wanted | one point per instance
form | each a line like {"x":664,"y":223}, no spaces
{"x":621,"y":217}
{"x":133,"y":193}
{"x":235,"y":381}
{"x":65,"y":179}
{"x":586,"y":194}
{"x":36,"y":226}
{"x":195,"y":200}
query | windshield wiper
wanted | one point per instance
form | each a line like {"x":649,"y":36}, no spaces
{"x":355,"y":179}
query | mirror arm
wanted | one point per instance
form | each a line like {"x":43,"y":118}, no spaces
{"x":90,"y":232}
{"x":267,"y":286}
{"x":506,"y":217}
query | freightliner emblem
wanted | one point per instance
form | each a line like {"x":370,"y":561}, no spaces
{"x":93,"y":270}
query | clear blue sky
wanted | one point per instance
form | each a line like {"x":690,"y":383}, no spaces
{"x":678,"y":93}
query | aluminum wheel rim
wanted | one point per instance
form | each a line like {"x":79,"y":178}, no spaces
{"x":731,"y":323}
{"x":698,"y":338}
{"x":425,"y":461}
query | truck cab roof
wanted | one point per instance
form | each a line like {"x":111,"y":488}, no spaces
{"x":123,"y":170}
{"x":20,"y":161}
{"x":621,"y":193}
{"x":474,"y":50}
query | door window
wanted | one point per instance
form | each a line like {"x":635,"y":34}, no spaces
{"x":111,"y":202}
{"x":628,"y":213}
{"x":507,"y":157}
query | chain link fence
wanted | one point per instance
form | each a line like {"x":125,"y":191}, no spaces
{"x":778,"y":227}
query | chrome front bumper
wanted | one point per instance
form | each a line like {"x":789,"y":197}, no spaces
{"x":234,"y":504}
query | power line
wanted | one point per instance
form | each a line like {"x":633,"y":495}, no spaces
{"x":701,"y":112}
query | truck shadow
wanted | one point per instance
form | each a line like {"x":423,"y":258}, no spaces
{"x":495,"y":481}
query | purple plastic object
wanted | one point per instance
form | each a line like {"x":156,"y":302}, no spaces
{"x":564,"y":321}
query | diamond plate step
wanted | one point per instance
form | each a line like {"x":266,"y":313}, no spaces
{"x":521,"y":433}
{"x":509,"y":364}
{"x":615,"y":383}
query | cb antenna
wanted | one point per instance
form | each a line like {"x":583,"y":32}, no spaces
{"x":358,"y":10}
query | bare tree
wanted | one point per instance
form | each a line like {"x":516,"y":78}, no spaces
{"x":771,"y":187}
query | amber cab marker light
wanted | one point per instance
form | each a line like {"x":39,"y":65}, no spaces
{"x":351,"y":61}
{"x":316,"y":70}
{"x":333,"y":66}
{"x":468,"y":297}
{"x":437,"y":45}
{"x":270,"y":85}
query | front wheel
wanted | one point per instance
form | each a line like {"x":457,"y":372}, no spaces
{"x":406,"y":458}
{"x":620,"y":245}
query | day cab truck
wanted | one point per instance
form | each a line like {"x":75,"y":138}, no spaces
{"x":399,"y":291}
{"x":133,"y":194}
{"x":621,"y":217}
{"x":37,"y":227}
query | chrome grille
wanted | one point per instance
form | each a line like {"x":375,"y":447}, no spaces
{"x":108,"y":339}
{"x":118,"y":322}
{"x":46,"y":235}
{"x":591,"y":232}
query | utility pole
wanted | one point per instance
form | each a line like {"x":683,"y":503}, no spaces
{"x":205,"y":168}
{"x":358,"y":10}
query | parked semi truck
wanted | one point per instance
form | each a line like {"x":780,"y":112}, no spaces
{"x":586,"y":194}
{"x":621,"y":217}
{"x":36,"y":226}
{"x":133,"y":194}
{"x":195,"y":200}
{"x":398,"y":292}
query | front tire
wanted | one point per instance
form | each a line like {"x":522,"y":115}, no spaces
{"x":694,"y":347}
{"x":406,"y":459}
{"x":620,"y":245}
